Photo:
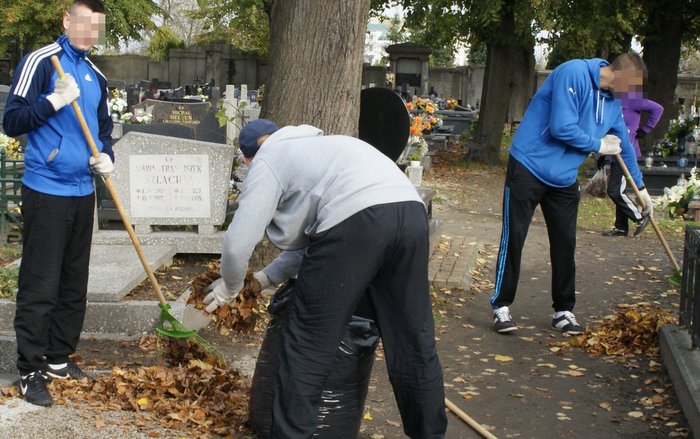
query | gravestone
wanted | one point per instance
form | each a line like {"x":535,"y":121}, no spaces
{"x":4,"y":92}
{"x":183,"y":119}
{"x":189,"y":113}
{"x":166,"y":181}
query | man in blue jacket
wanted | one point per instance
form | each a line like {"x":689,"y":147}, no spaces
{"x":58,"y":198}
{"x":573,"y":114}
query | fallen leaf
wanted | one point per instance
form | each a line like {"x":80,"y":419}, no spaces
{"x":635,"y":415}
{"x":503,"y":358}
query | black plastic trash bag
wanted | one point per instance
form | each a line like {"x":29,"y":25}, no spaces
{"x":343,"y":398}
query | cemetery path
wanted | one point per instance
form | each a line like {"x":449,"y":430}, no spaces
{"x":527,"y":384}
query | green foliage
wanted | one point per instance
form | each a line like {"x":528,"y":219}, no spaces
{"x":244,"y":24}
{"x":8,"y":281}
{"x":31,"y":24}
{"x":162,"y":41}
{"x":588,"y":28}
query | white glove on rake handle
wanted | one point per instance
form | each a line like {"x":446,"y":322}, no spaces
{"x":101,"y":165}
{"x":609,"y":145}
{"x":65,"y":91}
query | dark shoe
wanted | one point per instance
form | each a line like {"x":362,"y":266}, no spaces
{"x":68,"y":370}
{"x":567,"y":324}
{"x":33,"y":388}
{"x":615,"y":232}
{"x":641,"y":225}
{"x":502,"y":321}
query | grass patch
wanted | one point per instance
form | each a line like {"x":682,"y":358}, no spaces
{"x":8,"y":282}
{"x":599,"y":214}
{"x":9,"y":253}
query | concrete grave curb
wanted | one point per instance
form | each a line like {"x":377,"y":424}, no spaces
{"x":683,"y":366}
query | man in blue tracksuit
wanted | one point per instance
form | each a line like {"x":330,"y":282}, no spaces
{"x":57,"y":195}
{"x":573,"y":114}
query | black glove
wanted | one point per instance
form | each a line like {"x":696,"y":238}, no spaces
{"x":641,"y":134}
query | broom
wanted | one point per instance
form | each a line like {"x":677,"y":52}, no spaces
{"x":169,"y":325}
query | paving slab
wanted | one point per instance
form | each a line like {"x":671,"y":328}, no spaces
{"x":683,"y":366}
{"x":116,"y":269}
{"x":454,"y":250}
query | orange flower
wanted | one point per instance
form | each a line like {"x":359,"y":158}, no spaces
{"x":409,"y":105}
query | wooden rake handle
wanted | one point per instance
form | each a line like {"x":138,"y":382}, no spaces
{"x":112,"y":191}
{"x":626,"y":171}
{"x":466,"y":418}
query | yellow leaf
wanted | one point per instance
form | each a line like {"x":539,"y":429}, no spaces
{"x":635,"y":415}
{"x":142,"y":401}
{"x":503,"y":358}
{"x":367,"y":416}
{"x":605,"y":405}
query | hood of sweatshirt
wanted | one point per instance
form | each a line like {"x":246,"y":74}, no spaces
{"x":293,"y":132}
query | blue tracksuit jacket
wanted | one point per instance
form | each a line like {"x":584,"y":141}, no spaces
{"x":565,"y":121}
{"x":57,"y":154}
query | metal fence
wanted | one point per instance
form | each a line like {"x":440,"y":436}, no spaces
{"x":11,"y":171}
{"x":690,"y":285}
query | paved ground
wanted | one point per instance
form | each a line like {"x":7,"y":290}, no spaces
{"x":534,"y":395}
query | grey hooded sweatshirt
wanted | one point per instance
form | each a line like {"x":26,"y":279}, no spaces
{"x":300,"y":183}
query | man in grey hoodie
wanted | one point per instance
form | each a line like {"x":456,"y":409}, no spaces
{"x":350,"y":224}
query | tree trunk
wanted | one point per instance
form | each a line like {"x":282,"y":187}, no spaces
{"x":316,"y":63}
{"x":662,"y":52}
{"x":495,"y":94}
{"x":524,"y":82}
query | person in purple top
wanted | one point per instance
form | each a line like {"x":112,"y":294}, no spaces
{"x":634,"y":104}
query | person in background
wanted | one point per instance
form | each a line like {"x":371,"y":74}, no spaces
{"x":634,"y":104}
{"x":58,"y":200}
{"x":573,"y":114}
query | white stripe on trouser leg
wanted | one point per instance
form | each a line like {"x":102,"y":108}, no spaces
{"x":628,"y":201}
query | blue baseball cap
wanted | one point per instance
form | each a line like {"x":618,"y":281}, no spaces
{"x":251,"y":132}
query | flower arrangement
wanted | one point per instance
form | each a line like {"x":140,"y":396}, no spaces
{"x":679,"y":130}
{"x":117,"y":102}
{"x":200,"y":95}
{"x":447,"y":104}
{"x":426,"y":119}
{"x":675,"y":200}
{"x":10,"y":147}
{"x":134,"y":118}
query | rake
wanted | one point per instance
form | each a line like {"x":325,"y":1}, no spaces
{"x":675,"y":279}
{"x":169,"y":325}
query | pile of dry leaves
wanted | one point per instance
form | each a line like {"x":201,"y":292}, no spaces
{"x":241,"y":314}
{"x":196,"y":397}
{"x":633,"y":330}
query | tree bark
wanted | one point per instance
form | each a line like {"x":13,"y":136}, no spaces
{"x":496,"y":91}
{"x":662,"y":52}
{"x":316,"y":63}
{"x":524,"y":82}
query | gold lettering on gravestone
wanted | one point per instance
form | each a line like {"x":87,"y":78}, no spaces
{"x":169,"y":186}
{"x":181,"y":115}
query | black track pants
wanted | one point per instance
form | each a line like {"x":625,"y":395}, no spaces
{"x":522,"y":193}
{"x":625,"y":209}
{"x":382,"y":250}
{"x":53,"y":277}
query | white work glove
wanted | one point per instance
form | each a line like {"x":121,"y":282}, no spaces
{"x":648,"y":204}
{"x":101,"y":165}
{"x":219,"y":295}
{"x":609,"y":145}
{"x":262,"y":279}
{"x":65,"y":91}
